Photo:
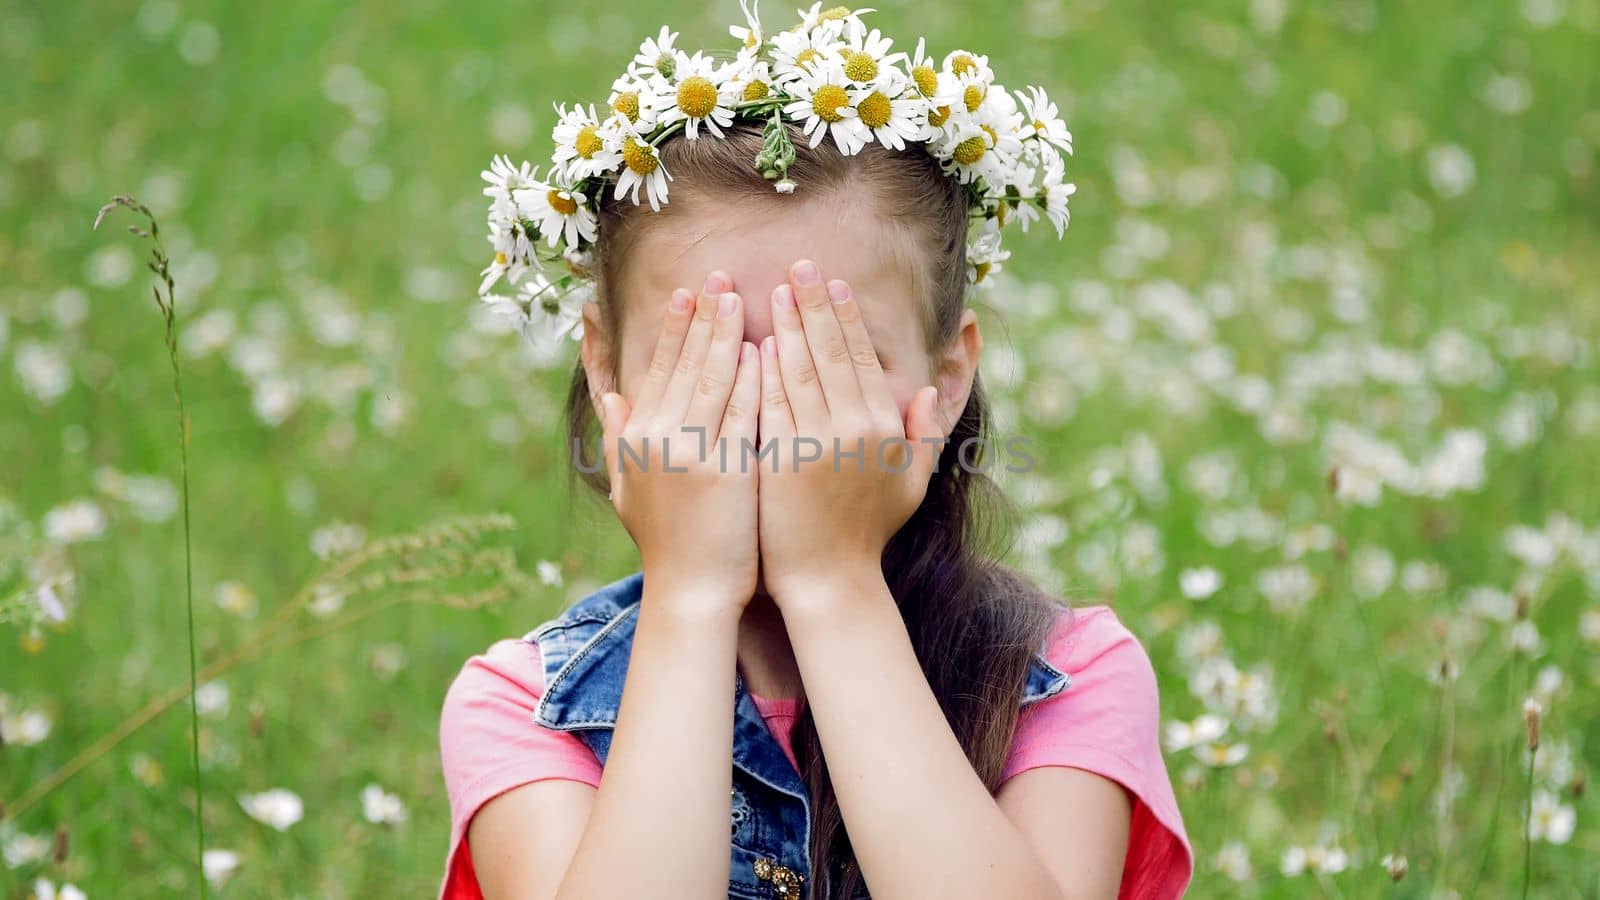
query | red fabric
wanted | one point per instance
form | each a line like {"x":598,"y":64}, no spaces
{"x":1106,"y":722}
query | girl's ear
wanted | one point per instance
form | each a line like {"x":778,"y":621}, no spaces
{"x":596,"y":354}
{"x":956,"y":368}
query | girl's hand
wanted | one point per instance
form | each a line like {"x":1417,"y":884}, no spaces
{"x":825,"y":395}
{"x":692,"y":516}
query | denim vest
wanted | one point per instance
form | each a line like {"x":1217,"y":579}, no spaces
{"x":585,"y":652}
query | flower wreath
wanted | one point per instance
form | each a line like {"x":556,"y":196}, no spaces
{"x":829,"y":73}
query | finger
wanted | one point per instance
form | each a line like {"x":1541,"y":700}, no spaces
{"x":664,"y":361}
{"x":923,"y":432}
{"x":710,"y":397}
{"x":808,"y":410}
{"x":674,"y":404}
{"x":863,"y":355}
{"x":829,"y":351}
{"x":743,"y":411}
{"x":777,"y":417}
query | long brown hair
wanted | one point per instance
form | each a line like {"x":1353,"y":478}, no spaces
{"x":973,"y":622}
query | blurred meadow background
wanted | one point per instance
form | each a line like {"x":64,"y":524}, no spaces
{"x":1315,"y":370}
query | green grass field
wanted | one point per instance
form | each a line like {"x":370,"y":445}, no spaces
{"x":1320,"y":350}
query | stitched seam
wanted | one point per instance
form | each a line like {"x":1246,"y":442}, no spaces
{"x":566,"y":669}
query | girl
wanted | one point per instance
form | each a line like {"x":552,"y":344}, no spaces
{"x":785,"y":385}
{"x":908,"y":715}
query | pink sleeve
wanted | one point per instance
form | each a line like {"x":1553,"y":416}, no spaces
{"x":489,"y":744}
{"x":1108,"y":721}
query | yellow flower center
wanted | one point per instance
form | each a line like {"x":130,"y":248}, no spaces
{"x":927,"y":80}
{"x":641,"y":158}
{"x":1000,"y":215}
{"x":980,"y":269}
{"x":1040,"y":126}
{"x":750,"y":40}
{"x":804,"y":56}
{"x":938,"y":116}
{"x":970,"y":151}
{"x":627,"y":103}
{"x":697,"y":96}
{"x":499,"y":259}
{"x":993,"y":138}
{"x":588,"y":142}
{"x":973,"y":97}
{"x":562,"y":202}
{"x":860,"y":66}
{"x":962,"y":63}
{"x":838,"y":12}
{"x":828,"y":100}
{"x":874,"y":110}
{"x":755,"y":90}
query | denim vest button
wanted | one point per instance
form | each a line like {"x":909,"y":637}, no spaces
{"x":785,"y":882}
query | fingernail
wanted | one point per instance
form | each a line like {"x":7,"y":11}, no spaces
{"x":717,"y":282}
{"x":769,"y":346}
{"x":747,"y":353}
{"x":680,"y":300}
{"x":784,"y":295}
{"x":725,"y":305}
{"x":839,"y":291}
{"x":805,"y":272}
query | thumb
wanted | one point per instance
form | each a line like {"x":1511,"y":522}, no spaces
{"x":924,"y":432}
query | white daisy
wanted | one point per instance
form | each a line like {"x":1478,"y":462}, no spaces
{"x":504,"y":178}
{"x":278,"y":807}
{"x":969,"y":150}
{"x":1037,"y":180}
{"x":1041,"y":120}
{"x":380,"y":807}
{"x":965,"y":62}
{"x":633,"y":98}
{"x":539,"y":312}
{"x":1017,"y":192}
{"x":816,"y":17}
{"x":582,"y":148}
{"x":973,"y":91}
{"x":218,"y":865}
{"x":998,"y":114}
{"x":867,"y":57}
{"x":513,"y":254}
{"x":654,"y":56}
{"x":750,"y":34}
{"x":749,"y":79}
{"x":942,"y":91}
{"x":1056,"y":193}
{"x":559,"y":211}
{"x":641,"y":167}
{"x":924,"y":71}
{"x":890,"y":111}
{"x":543,"y":313}
{"x":794,"y":52}
{"x":43,"y":889}
{"x":822,"y":100}
{"x":696,"y":95}
{"x":984,"y":253}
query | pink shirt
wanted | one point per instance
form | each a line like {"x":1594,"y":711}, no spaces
{"x":1107,"y":722}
